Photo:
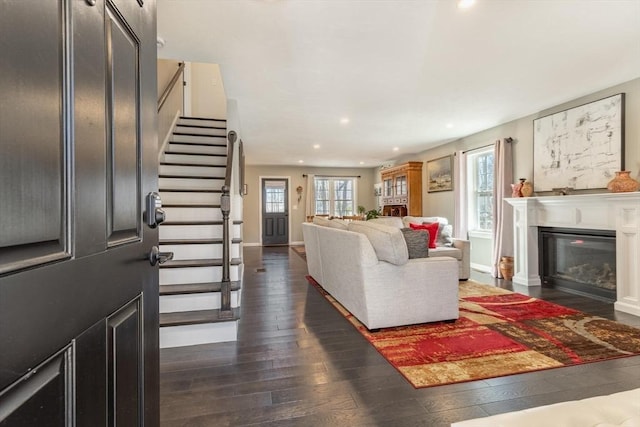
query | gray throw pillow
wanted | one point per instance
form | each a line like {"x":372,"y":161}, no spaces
{"x":417,"y":242}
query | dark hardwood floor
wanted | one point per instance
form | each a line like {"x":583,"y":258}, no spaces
{"x":298,"y":362}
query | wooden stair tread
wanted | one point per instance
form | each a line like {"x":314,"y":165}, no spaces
{"x":189,"y":176}
{"x":196,"y":317}
{"x":204,"y":222}
{"x":214,"y":262}
{"x":189,"y":190}
{"x":190,"y":153}
{"x":191,"y":165}
{"x":190,"y":125}
{"x":214,"y":241}
{"x":203,"y":135}
{"x":196,"y":288}
{"x":202,"y":118}
{"x":199,"y":144}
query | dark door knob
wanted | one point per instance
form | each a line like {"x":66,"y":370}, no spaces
{"x":157,"y":257}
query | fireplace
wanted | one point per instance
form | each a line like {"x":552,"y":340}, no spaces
{"x":579,"y":261}
{"x":617,"y":213}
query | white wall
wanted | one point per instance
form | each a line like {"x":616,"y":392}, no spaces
{"x":208,"y":98}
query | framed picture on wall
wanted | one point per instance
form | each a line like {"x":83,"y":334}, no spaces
{"x":580,"y":148}
{"x":440,"y":174}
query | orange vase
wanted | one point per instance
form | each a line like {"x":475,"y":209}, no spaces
{"x":506,"y":267}
{"x":527,"y":189}
{"x":623,"y":183}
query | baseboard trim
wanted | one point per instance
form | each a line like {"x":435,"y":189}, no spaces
{"x":480,"y":267}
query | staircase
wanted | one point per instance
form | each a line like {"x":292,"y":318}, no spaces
{"x":192,"y":174}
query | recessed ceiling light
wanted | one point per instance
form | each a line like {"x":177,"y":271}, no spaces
{"x":344,"y":120}
{"x":396,"y":148}
{"x":449,"y":125}
{"x":362,"y":163}
{"x":465,"y":4}
{"x":316,"y":146}
{"x":300,"y":161}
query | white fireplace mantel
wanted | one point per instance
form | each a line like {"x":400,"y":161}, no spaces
{"x":603,"y":211}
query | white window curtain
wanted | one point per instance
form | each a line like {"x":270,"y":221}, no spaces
{"x":310,"y":199}
{"x":502,"y":214}
{"x":460,"y":195}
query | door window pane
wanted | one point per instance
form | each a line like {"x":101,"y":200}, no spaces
{"x":274,"y":196}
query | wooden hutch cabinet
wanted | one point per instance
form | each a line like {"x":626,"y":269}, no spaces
{"x":402,"y":190}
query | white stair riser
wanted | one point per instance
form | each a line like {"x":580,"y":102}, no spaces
{"x":190,"y":231}
{"x":200,"y":160}
{"x":199,"y":139}
{"x":207,"y":333}
{"x":190,"y":184}
{"x":192,"y":171}
{"x":200,"y":251}
{"x":200,"y":131}
{"x":193,"y":302}
{"x":193,"y":214}
{"x":197,"y":231}
{"x":198,"y":149}
{"x":200,"y":122}
{"x":173,"y":197}
{"x":177,"y":276}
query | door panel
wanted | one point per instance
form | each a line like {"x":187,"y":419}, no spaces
{"x":122,"y":135}
{"x":275,"y":212}
{"x":43,"y":396}
{"x":124,"y":365}
{"x":77,"y":155}
{"x":33,"y":211}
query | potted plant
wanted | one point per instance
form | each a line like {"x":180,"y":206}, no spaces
{"x":372,"y":214}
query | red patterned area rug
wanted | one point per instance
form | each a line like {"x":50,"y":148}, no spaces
{"x":498,"y":333}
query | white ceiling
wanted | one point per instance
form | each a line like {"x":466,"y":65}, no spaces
{"x":400,"y":70}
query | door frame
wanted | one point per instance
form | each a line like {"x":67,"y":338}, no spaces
{"x":288,"y":179}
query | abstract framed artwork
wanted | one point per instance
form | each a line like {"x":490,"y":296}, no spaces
{"x":440,"y":174}
{"x":580,"y":148}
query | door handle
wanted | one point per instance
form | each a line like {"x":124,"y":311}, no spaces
{"x":157,"y":257}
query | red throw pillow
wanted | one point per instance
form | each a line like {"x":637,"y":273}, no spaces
{"x":431,"y":228}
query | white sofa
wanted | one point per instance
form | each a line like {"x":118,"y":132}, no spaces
{"x":618,"y":409}
{"x":460,"y":249}
{"x":366,"y":268}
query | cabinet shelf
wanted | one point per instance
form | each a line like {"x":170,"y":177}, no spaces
{"x":402,"y":190}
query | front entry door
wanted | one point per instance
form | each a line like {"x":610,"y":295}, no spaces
{"x":275,"y":211}
{"x":78,"y":298}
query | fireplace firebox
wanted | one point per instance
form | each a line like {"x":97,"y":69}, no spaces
{"x":578,"y":261}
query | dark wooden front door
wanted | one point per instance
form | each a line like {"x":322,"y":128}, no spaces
{"x":78,"y":298}
{"x":275,"y":211}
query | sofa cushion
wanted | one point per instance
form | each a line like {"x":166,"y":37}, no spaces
{"x":420,"y":219}
{"x":333,"y":223}
{"x":431,"y":228}
{"x":388,"y":242}
{"x":446,"y":251}
{"x":417,"y":242}
{"x":393,"y":221}
{"x":445,"y":234}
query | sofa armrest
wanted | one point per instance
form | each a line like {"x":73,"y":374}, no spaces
{"x":465,"y":247}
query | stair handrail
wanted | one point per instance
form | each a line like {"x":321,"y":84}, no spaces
{"x":167,"y":90}
{"x":225,"y":207}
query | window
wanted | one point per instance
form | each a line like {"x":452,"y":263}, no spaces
{"x":335,"y":196}
{"x":480,"y":190}
{"x":274,"y":196}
